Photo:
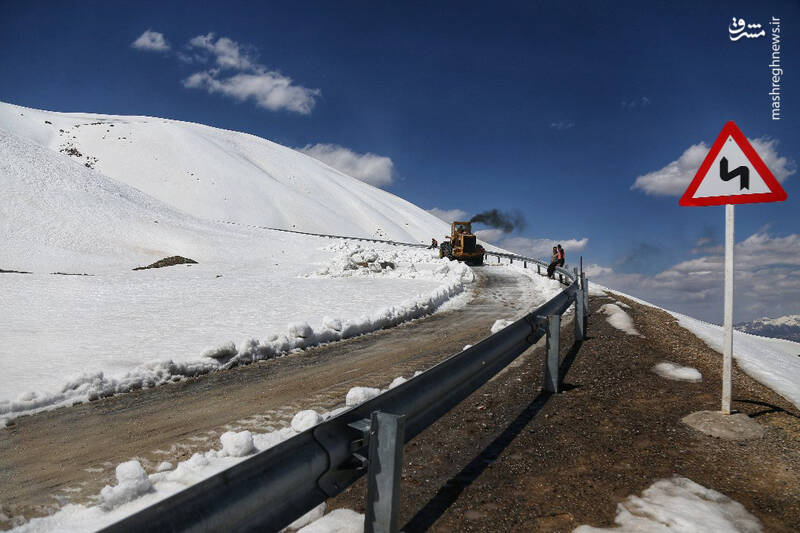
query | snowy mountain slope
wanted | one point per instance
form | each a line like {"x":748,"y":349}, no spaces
{"x":784,"y":327}
{"x":57,"y":215}
{"x":255,"y":293}
{"x":216,"y":174}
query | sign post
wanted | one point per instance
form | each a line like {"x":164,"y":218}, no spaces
{"x":727,"y":349}
{"x":732,"y":173}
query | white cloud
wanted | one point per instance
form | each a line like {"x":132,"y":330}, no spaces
{"x":151,"y":41}
{"x":543,"y":248}
{"x":767,"y":280}
{"x":377,"y":170}
{"x":673,"y":179}
{"x":227,"y":53}
{"x":562,"y":125}
{"x":449,"y":215}
{"x":489,"y":235}
{"x":250,"y":80}
{"x":269,"y":90}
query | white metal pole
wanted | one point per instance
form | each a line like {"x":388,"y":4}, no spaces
{"x":727,"y":353}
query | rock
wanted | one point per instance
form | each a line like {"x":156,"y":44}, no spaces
{"x":737,"y":426}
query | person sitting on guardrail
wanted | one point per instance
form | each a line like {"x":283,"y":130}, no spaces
{"x":551,"y":268}
{"x":561,"y":256}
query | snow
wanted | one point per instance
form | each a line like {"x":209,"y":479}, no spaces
{"x":135,"y":490}
{"x":216,"y":174}
{"x":132,"y":482}
{"x":305,"y":420}
{"x":672,"y":371}
{"x":788,"y":320}
{"x":254,"y":293}
{"x":680,"y":505}
{"x":500,"y":324}
{"x":237,"y":444}
{"x":773,"y":362}
{"x":619,"y":319}
{"x":338,"y":521}
{"x":359,"y":395}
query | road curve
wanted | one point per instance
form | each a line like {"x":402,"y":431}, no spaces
{"x":68,"y":454}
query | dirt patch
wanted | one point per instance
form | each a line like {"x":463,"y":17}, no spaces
{"x":513,"y":458}
{"x":169,"y":261}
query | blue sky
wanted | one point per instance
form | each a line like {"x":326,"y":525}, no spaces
{"x":551,"y":109}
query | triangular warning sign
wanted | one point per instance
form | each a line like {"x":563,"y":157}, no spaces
{"x":732,"y":173}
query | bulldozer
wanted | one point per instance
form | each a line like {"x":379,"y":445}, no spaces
{"x":462,"y":245}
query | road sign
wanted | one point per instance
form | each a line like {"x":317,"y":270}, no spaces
{"x":732,"y":173}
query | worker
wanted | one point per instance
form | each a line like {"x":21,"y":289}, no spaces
{"x":561,"y":256}
{"x":551,"y":268}
{"x":434,"y":244}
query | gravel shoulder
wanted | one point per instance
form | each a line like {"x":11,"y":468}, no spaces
{"x":511,"y":458}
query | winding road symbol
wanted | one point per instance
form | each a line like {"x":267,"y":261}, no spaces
{"x":713,"y":183}
{"x":741,"y":171}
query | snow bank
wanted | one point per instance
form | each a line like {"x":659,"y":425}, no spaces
{"x":419,"y":268}
{"x":669,"y":370}
{"x":773,"y":362}
{"x":619,"y":319}
{"x":680,"y":505}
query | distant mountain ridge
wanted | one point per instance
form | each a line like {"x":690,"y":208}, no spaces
{"x":785,"y":327}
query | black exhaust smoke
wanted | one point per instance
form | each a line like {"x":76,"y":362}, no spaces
{"x":507,"y":222}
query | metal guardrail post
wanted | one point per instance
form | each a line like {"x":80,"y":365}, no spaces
{"x":585,"y":287}
{"x":539,"y":269}
{"x":498,"y":258}
{"x":387,"y":435}
{"x":553,"y":326}
{"x":524,"y":264}
{"x":580,"y":318}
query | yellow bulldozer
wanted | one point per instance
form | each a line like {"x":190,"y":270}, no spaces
{"x":462,"y":245}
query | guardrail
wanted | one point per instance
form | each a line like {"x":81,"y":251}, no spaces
{"x":563,"y":273}
{"x":273,"y":488}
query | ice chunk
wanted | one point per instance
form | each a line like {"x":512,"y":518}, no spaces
{"x":305,"y":420}
{"x":359,"y":395}
{"x":501,"y":323}
{"x":132,"y":482}
{"x":396,"y":382}
{"x":237,"y":444}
